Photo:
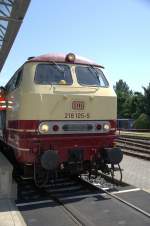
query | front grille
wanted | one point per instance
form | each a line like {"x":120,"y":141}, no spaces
{"x":77,"y":127}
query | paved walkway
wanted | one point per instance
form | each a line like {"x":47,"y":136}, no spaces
{"x":136,"y":172}
{"x":9,"y":214}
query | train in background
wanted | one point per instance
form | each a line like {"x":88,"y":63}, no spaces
{"x":58,"y":114}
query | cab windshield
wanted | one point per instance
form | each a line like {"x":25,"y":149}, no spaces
{"x":91,"y":76}
{"x":54,"y":74}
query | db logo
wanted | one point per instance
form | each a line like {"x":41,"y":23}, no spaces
{"x":78,"y":105}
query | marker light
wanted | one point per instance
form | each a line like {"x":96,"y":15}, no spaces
{"x":98,"y":126}
{"x":55,"y":128}
{"x":70,"y":57}
{"x":43,"y":128}
{"x":106,"y":127}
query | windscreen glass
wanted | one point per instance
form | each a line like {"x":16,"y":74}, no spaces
{"x":91,"y":76}
{"x":54,"y":74}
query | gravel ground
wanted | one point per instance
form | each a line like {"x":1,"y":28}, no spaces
{"x":136,"y":172}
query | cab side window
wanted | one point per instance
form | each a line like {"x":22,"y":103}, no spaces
{"x":14,"y":81}
{"x":18,"y":78}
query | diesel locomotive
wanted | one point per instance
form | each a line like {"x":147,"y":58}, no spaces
{"x":58,"y":114}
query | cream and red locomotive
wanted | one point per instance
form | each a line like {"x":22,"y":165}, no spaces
{"x":58,"y":113}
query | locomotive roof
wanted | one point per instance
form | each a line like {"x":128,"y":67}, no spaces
{"x":61,"y":58}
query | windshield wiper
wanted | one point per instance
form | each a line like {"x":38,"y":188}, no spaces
{"x":92,"y":67}
{"x":60,"y":69}
{"x":96,"y":72}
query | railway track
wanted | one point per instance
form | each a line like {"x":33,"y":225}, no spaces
{"x":134,"y":146}
{"x":85,"y":202}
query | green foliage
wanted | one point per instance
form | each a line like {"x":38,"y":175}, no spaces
{"x":142,"y":122}
{"x":136,"y":105}
{"x":122,"y":87}
{"x":129,"y":104}
{"x":123,"y":93}
{"x":147,"y":99}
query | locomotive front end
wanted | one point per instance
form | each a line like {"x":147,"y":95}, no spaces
{"x":64,"y":116}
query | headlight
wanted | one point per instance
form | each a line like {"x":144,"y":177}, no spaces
{"x":106,"y":127}
{"x":70,"y":57}
{"x":43,"y":128}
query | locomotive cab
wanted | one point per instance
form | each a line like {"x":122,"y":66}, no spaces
{"x":62,"y":115}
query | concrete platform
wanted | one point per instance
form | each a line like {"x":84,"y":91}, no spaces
{"x":6,"y":181}
{"x":9,"y":214}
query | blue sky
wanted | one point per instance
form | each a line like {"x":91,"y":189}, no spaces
{"x":114,"y":33}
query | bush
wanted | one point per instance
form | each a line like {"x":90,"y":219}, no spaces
{"x":142,"y":122}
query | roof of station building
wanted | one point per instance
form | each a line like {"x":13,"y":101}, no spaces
{"x":12,"y":13}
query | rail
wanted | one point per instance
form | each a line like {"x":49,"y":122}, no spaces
{"x":136,"y":146}
{"x":69,"y":192}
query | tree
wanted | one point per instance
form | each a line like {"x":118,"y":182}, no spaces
{"x":123,"y":93}
{"x":142,"y":122}
{"x":122,"y":87}
{"x":137,"y":105}
{"x":147,"y":100}
{"x":133,"y":105}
